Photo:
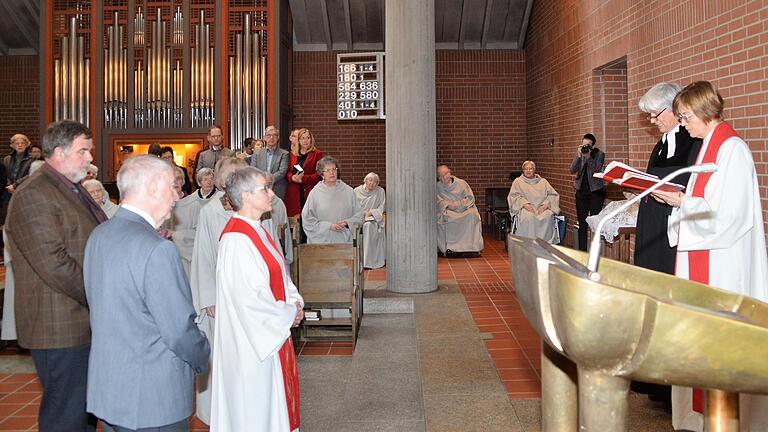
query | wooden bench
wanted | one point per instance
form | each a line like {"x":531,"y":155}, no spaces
{"x":330,"y":276}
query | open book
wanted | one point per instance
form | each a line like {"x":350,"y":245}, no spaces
{"x":626,"y":176}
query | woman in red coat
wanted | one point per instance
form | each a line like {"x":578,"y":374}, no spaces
{"x":305,"y":154}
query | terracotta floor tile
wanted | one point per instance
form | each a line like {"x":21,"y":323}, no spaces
{"x":493,"y":328}
{"x":33,"y":386}
{"x":490,"y":314}
{"x":486,"y":321}
{"x":18,"y":423}
{"x":341,"y":351}
{"x":29,"y":410}
{"x":520,"y":374}
{"x":523,"y":386}
{"x":7,"y":410}
{"x":508,"y":353}
{"x":19,"y":378}
{"x":315,"y":351}
{"x":511,"y":363}
{"x":318,"y":344}
{"x":19,"y":397}
{"x":533,"y":395}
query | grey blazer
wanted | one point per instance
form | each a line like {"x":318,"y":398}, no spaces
{"x":145,"y":345}
{"x":594,"y":165}
{"x":279,"y":168}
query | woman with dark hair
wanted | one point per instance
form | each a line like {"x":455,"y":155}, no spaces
{"x":305,"y":155}
{"x":590,"y":191}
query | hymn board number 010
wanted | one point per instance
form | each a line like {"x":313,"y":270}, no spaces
{"x":360,"y":86}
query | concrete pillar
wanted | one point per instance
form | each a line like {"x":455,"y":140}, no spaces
{"x":411,"y":156}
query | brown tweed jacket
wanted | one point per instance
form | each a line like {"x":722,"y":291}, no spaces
{"x":47,"y":227}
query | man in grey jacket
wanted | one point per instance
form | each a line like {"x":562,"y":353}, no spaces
{"x":274,"y":160}
{"x":145,"y":345}
{"x":590,"y":191}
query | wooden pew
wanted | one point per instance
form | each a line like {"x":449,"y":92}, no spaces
{"x":331,"y":277}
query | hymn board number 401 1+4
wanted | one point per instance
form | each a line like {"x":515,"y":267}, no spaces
{"x":360,"y":86}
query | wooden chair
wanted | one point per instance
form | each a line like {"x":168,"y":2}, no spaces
{"x":331,"y":277}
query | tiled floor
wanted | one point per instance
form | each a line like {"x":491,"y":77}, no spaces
{"x":486,"y":284}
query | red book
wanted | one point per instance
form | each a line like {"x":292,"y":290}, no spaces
{"x":626,"y":176}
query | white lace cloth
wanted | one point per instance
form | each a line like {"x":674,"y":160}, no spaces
{"x":626,"y":218}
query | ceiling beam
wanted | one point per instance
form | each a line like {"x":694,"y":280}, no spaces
{"x":463,"y":23}
{"x":347,"y":23}
{"x":524,"y":25}
{"x":486,"y":23}
{"x":3,"y":47}
{"x":25,"y":32}
{"x":326,"y":24}
{"x":30,"y":5}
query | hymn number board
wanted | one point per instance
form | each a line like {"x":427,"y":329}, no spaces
{"x":360,"y":86}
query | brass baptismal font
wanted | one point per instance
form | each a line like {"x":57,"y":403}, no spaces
{"x":629,"y":323}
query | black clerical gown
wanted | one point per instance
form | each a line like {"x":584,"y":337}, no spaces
{"x":652,"y":248}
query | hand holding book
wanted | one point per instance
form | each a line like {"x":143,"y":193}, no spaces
{"x":626,"y":176}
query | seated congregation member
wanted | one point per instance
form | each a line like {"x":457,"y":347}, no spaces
{"x":305,"y":154}
{"x":186,"y":213}
{"x":145,"y":346}
{"x":255,"y":378}
{"x":276,"y":217}
{"x":717,"y":226}
{"x":459,"y":227}
{"x":99,"y":194}
{"x":332,"y":208}
{"x":210,"y":222}
{"x":534,"y":201}
{"x":273,"y":159}
{"x":168,"y":154}
{"x":373,"y":200}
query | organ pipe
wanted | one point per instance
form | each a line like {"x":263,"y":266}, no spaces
{"x":70,"y":93}
{"x":247,"y":85}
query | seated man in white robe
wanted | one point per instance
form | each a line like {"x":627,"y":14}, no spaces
{"x":373,"y":199}
{"x":210,"y":223}
{"x":534,"y":202}
{"x":185,"y":215}
{"x":332,"y":209}
{"x":459,"y":228}
{"x":276,"y":217}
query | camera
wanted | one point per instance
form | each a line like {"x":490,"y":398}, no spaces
{"x":586,"y":148}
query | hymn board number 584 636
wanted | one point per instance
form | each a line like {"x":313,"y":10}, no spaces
{"x":360,"y":86}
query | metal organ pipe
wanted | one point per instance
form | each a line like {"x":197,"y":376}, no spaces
{"x":247,"y":84}
{"x":70,"y":81}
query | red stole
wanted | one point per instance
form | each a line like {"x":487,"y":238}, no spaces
{"x":277,"y":285}
{"x":698,"y":260}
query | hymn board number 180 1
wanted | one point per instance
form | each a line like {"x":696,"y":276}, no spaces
{"x":360,"y":86}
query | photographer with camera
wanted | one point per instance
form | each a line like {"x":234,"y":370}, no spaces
{"x":590,"y":191}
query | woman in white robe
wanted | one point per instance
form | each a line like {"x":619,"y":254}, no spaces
{"x":373,"y":199}
{"x":255,"y":379}
{"x":717,"y":225}
{"x":534,"y":202}
{"x":332,"y":209}
{"x":99,"y":194}
{"x":185,"y":216}
{"x":459,"y":228}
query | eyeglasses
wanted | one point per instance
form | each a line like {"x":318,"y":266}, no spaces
{"x":654,"y":117}
{"x":330,"y":170}
{"x":265,"y":188}
{"x":686,"y":117}
{"x":271,"y":135}
{"x":216,"y":136}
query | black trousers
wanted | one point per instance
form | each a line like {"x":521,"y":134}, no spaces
{"x":587,"y":204}
{"x":63,"y":374}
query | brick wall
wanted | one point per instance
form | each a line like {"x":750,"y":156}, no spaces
{"x":569,"y":40}
{"x":19,"y":99}
{"x":480,"y":116}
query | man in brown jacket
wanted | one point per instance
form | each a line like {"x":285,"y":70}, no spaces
{"x":49,"y":220}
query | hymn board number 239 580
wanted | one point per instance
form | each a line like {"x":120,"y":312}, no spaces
{"x":360,"y":86}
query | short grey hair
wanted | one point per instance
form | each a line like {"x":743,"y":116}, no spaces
{"x":659,"y":97}
{"x":136,"y":171}
{"x":326,"y":160}
{"x":225,"y":167}
{"x":271,"y":129}
{"x":61,"y":135}
{"x":89,"y":182}
{"x":94,"y":169}
{"x":529,"y":162}
{"x":240,"y":181}
{"x":202,"y":173}
{"x":371,"y":175}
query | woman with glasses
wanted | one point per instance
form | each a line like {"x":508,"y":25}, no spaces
{"x":304,"y":155}
{"x":332,"y":208}
{"x":717,"y":225}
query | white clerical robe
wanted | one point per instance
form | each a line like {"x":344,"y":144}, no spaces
{"x":727,"y":222}
{"x":327,"y":205}
{"x":211,"y":221}
{"x":251,"y":327}
{"x":534,"y":191}
{"x":185,"y":216}
{"x":279,"y":216}
{"x":459,"y":229}
{"x":375,"y":238}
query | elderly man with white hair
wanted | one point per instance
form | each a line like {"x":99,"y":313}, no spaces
{"x":144,"y":336}
{"x":373,"y":200}
{"x":211,"y":221}
{"x":459,"y":228}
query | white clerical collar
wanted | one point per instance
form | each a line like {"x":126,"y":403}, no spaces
{"x":139,"y":212}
